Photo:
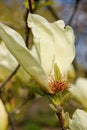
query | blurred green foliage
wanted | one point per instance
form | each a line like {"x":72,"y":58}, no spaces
{"x":31,"y":126}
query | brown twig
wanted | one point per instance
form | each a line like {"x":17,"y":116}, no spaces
{"x":20,"y":105}
{"x":30,"y":6}
{"x":52,"y":11}
{"x":9,"y":77}
{"x":26,"y":17}
{"x":60,"y":117}
{"x":26,"y":100}
{"x":27,"y":28}
{"x":74,"y":11}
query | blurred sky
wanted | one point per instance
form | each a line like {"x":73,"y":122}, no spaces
{"x":65,"y":1}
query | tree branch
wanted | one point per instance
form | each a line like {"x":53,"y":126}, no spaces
{"x":9,"y":77}
{"x":30,"y":6}
{"x":60,"y":117}
{"x":52,"y":11}
{"x":26,"y":100}
{"x":27,"y":28}
{"x":74,"y":11}
{"x":26,"y":17}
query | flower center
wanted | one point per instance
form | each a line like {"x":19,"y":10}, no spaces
{"x":58,"y":86}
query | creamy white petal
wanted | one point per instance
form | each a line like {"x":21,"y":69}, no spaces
{"x":42,"y":32}
{"x":78,"y":121}
{"x":79,"y":91}
{"x":60,"y":24}
{"x":64,"y":47}
{"x":16,"y":45}
{"x":55,"y":44}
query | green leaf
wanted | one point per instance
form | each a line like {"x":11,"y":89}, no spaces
{"x":36,"y":89}
{"x":56,"y":99}
{"x":57,"y":73}
{"x":16,"y":45}
{"x":65,"y":98}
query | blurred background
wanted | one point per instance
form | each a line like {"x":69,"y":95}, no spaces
{"x":31,"y":111}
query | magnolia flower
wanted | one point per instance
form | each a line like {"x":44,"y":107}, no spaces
{"x":78,"y":121}
{"x":3,"y":117}
{"x":53,"y":43}
{"x":79,"y":91}
{"x":51,"y":55}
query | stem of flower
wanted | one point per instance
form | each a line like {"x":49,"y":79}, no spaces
{"x":60,"y":117}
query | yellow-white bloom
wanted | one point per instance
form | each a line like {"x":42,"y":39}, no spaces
{"x":79,"y":91}
{"x":53,"y":46}
{"x":78,"y":121}
{"x":54,"y":43}
{"x":3,"y":117}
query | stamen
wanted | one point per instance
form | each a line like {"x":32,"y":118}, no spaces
{"x":58,"y":86}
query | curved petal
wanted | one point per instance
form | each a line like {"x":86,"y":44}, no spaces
{"x":78,"y":121}
{"x":79,"y":91}
{"x":64,"y":46}
{"x":54,"y":43}
{"x":43,"y":40}
{"x":16,"y":45}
